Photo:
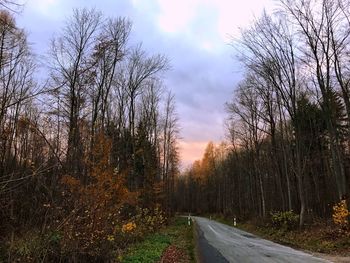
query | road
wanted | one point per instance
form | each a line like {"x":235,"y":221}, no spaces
{"x":221,"y":243}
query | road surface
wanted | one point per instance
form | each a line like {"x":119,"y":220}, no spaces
{"x":221,"y":243}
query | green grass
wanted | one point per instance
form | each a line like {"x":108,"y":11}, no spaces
{"x":152,"y":247}
{"x":148,"y":251}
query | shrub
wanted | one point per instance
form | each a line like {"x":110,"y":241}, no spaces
{"x":286,"y":220}
{"x":341,"y":215}
{"x":129,"y":227}
{"x":95,"y":221}
{"x":150,"y":220}
{"x":90,"y":228}
{"x":34,"y":246}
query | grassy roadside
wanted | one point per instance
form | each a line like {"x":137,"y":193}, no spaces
{"x":176,"y":241}
{"x":320,"y":237}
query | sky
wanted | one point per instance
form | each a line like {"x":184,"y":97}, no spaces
{"x":194,"y":34}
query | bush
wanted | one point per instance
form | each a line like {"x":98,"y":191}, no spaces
{"x":34,"y":247}
{"x":150,"y":220}
{"x":94,"y":221}
{"x":286,"y":220}
{"x":91,"y":224}
{"x":145,"y":221}
{"x":341,"y":215}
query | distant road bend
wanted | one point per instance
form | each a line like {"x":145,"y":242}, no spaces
{"x":221,"y":243}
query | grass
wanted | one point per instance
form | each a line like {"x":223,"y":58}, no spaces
{"x":148,"y":251}
{"x":182,"y":236}
{"x":152,"y":247}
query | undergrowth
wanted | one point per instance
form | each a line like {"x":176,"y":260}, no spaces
{"x":152,"y":247}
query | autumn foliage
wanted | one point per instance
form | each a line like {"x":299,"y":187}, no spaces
{"x":95,"y":205}
{"x":88,"y":156}
{"x":95,"y":220}
{"x":341,"y":215}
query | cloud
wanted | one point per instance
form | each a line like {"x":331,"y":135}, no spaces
{"x":44,"y":7}
{"x":192,"y":33}
{"x":175,"y":16}
{"x":233,"y":17}
{"x":227,"y":16}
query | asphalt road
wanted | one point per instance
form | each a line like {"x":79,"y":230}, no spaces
{"x":221,"y":243}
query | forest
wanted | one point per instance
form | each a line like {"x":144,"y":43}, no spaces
{"x":89,"y":133}
{"x":287,"y":122}
{"x":88,"y":141}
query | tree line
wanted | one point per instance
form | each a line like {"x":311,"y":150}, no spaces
{"x":93,"y":136}
{"x":288,"y":121}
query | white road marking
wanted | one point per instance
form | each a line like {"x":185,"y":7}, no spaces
{"x":212,"y":229}
{"x":239,"y":246}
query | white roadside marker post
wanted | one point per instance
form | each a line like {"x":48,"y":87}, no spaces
{"x":234,"y":221}
{"x":189,"y":219}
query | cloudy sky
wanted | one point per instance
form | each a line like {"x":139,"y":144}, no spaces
{"x":194,"y":34}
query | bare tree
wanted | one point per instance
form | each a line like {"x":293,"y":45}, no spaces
{"x":315,"y":20}
{"x":272,"y":55}
{"x":16,"y":83}
{"x":139,"y":70}
{"x":13,"y":6}
{"x":109,"y":51}
{"x":249,"y":108}
{"x":169,"y":151}
{"x":71,"y":66}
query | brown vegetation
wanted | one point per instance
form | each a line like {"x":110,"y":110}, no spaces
{"x":173,"y":255}
{"x":88,"y":157}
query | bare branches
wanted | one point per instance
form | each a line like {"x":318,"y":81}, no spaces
{"x":96,"y":121}
{"x":13,"y":6}
{"x":296,"y":94}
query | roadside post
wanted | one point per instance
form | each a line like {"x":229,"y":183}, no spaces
{"x":234,"y":221}
{"x":189,"y":219}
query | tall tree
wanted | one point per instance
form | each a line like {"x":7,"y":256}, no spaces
{"x":71,"y":66}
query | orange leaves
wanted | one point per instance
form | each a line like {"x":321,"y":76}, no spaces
{"x":129,"y":227}
{"x":206,"y":167}
{"x":70,"y":181}
{"x":341,"y":215}
{"x":105,"y":185}
{"x":197,"y":169}
{"x":97,"y":203}
{"x":97,"y":222}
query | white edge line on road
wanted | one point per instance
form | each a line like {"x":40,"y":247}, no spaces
{"x":212,"y":229}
